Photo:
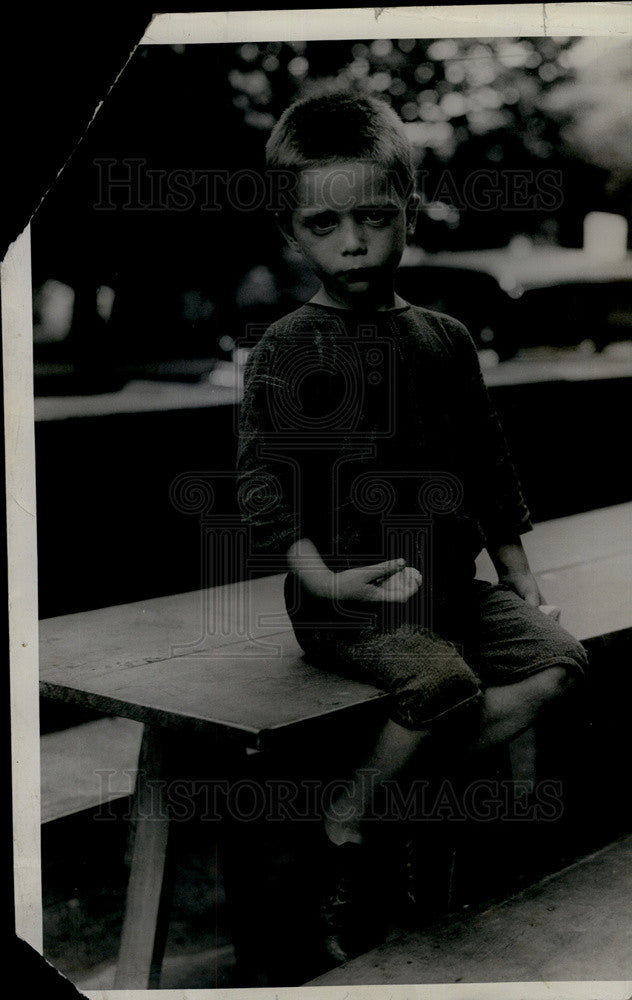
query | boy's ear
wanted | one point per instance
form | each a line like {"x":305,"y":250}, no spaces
{"x":412,"y":209}
{"x":284,"y":224}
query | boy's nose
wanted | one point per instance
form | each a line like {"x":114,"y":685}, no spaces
{"x":353,"y":238}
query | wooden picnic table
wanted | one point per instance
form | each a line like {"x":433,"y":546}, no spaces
{"x":224,"y":662}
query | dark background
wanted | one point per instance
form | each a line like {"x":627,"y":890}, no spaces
{"x":180,"y":271}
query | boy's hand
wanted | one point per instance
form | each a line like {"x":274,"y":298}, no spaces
{"x":525,"y":585}
{"x":390,"y":581}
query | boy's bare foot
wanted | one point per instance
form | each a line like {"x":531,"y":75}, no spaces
{"x":349,"y":907}
{"x":343,"y":833}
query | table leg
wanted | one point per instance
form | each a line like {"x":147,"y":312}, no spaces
{"x":145,"y":889}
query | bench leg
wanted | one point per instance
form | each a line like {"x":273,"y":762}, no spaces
{"x":145,"y":889}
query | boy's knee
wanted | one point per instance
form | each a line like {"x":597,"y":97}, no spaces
{"x":450,"y":704}
{"x":572,"y":656}
{"x":565,"y":675}
{"x":556,"y":682}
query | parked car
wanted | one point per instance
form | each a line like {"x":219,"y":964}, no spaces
{"x":525,"y":295}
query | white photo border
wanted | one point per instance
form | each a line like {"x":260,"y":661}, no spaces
{"x":497,"y":20}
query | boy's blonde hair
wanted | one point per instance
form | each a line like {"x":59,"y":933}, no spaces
{"x":341,"y":126}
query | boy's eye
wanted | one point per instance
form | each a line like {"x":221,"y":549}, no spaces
{"x":377,"y":216}
{"x":321,"y":224}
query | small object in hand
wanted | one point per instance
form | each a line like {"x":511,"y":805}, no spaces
{"x":551,"y":611}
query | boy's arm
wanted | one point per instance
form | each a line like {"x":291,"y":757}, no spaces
{"x":268,"y":472}
{"x":498,"y":500}
{"x":512,"y":566}
{"x":390,"y":581}
{"x":491,"y":480}
{"x":305,"y":560}
{"x":283,"y":481}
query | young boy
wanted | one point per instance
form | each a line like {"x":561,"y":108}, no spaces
{"x":371,"y":456}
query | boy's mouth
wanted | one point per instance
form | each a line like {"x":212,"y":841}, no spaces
{"x":352,"y":274}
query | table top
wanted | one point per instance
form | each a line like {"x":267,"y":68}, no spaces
{"x":223,"y":386}
{"x":583,"y":565}
{"x":157,"y":661}
{"x":225,"y":660}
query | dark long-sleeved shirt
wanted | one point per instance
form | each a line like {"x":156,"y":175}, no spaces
{"x":374,"y":436}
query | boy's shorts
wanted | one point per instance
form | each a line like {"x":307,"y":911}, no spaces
{"x":491,"y":637}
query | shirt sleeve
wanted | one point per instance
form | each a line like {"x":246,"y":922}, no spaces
{"x":267,"y":466}
{"x":492,"y":484}
{"x":286,"y":447}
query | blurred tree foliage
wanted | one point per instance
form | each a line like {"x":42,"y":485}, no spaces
{"x":186,"y":273}
{"x":597,"y":109}
{"x":468,"y":105}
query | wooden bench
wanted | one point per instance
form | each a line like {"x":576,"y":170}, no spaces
{"x":224,"y":663}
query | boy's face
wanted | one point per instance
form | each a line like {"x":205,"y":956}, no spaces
{"x":351,"y":226}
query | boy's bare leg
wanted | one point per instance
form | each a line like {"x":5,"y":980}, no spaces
{"x":507,"y":712}
{"x":511,"y":709}
{"x":394,"y":748}
{"x":523,"y":758}
{"x":511,"y":714}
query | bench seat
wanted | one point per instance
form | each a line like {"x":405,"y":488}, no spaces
{"x":242,"y":675}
